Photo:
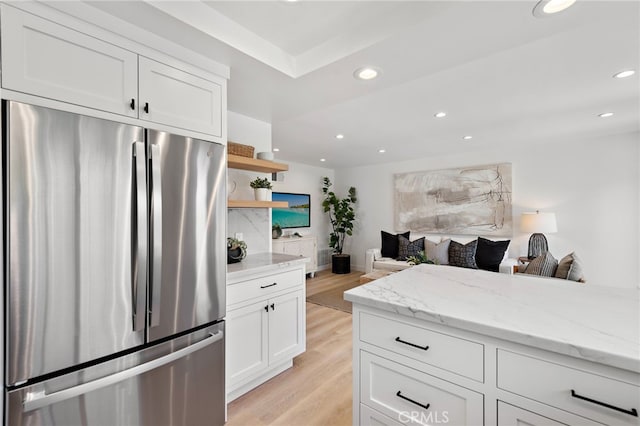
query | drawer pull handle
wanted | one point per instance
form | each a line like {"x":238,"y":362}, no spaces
{"x":146,"y":107}
{"x":632,"y":412}
{"x":426,"y":407}
{"x":270,"y":285}
{"x":424,"y":348}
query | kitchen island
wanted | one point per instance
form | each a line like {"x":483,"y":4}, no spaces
{"x":266,"y":319}
{"x":477,"y":347}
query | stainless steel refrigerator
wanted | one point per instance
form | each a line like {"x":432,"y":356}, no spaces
{"x":114,"y":272}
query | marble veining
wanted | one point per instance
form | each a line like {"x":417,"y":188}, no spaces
{"x":588,"y":321}
{"x":261,"y":263}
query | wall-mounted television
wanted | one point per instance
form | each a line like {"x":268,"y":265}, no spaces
{"x":298,"y":215}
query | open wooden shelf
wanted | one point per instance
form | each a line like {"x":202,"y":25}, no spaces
{"x":252,"y":204}
{"x":255,"y":165}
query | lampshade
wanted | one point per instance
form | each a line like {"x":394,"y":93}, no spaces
{"x":538,"y":222}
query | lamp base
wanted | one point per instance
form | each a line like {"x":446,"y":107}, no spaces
{"x":537,"y":245}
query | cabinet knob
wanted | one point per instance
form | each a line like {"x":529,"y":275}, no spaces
{"x":273,"y":306}
{"x":146,"y":107}
{"x":266,"y":308}
{"x":133,"y":103}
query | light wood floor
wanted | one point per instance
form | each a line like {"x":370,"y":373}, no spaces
{"x":317,"y":389}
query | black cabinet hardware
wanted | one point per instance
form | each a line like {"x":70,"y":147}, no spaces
{"x":133,"y":103}
{"x":270,"y":285}
{"x":632,"y":412}
{"x":146,"y":107}
{"x":273,"y":306}
{"x":426,"y":407}
{"x":424,"y":348}
{"x":266,"y":308}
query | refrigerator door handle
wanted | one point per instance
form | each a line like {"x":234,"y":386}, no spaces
{"x":37,"y":400}
{"x":156,"y":225}
{"x":139,"y":237}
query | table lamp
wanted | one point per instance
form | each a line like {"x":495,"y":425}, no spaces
{"x":537,"y":223}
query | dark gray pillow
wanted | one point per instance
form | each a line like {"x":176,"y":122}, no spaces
{"x":463,"y":255}
{"x":489,"y":254}
{"x":544,"y":265}
{"x":389,"y":247}
{"x":437,"y":252}
{"x":408,"y":248}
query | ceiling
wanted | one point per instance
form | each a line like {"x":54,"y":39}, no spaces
{"x":502,"y":75}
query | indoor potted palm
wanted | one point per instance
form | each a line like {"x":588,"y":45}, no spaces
{"x":342,"y":216}
{"x":262,"y":189}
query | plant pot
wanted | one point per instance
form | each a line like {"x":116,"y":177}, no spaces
{"x":276,"y":233}
{"x":262,"y":194}
{"x":234,"y":256}
{"x":341,"y":263}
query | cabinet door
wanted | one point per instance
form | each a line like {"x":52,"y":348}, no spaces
{"x":44,"y":59}
{"x":278,"y":246}
{"x":176,"y":98}
{"x":286,"y":326}
{"x":247,"y":342}
{"x":308,"y":249}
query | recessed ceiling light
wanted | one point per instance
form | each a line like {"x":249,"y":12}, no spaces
{"x":440,"y":114}
{"x":276,"y":149}
{"x":382,"y":151}
{"x":466,"y":138}
{"x":339,"y":136}
{"x":323,"y":160}
{"x":605,"y":114}
{"x":624,"y":74}
{"x":366,"y":73}
{"x":549,"y":7}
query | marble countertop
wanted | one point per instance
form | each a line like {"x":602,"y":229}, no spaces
{"x":260,"y":263}
{"x":587,"y":321}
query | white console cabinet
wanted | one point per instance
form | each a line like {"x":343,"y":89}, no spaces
{"x":45,"y":59}
{"x":265,"y":326}
{"x":305,"y":246}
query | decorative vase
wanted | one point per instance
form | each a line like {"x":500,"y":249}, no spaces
{"x":262,"y":194}
{"x":276,"y":233}
{"x":234,"y":255}
{"x":341,"y":263}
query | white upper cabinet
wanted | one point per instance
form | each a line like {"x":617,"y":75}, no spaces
{"x":177,"y":98}
{"x":45,"y":59}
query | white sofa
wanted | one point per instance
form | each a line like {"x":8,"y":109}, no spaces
{"x":374,"y":261}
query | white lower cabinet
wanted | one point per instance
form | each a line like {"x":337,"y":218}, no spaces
{"x":266,"y":330}
{"x":412,"y":371}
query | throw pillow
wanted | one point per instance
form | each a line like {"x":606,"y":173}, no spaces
{"x":389,"y":247}
{"x":463,"y":255}
{"x":570,"y":268}
{"x":408,"y":248}
{"x":544,"y":265}
{"x":438,"y":252}
{"x":489,"y":254}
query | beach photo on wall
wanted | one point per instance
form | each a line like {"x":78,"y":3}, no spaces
{"x":460,"y":201}
{"x":297,"y":215}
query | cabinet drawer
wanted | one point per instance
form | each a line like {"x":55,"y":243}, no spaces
{"x":396,"y":391}
{"x":510,"y":415}
{"x":552,"y":384}
{"x":263,"y":287}
{"x":453,"y":354}
{"x":371,"y":417}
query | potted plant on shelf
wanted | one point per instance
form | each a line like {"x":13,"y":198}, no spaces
{"x":342,"y":216}
{"x":262,"y":189}
{"x":276,"y":231}
{"x":236,"y":250}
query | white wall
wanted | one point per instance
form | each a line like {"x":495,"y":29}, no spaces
{"x":592,"y":185}
{"x":254,"y":224}
{"x":302,"y":178}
